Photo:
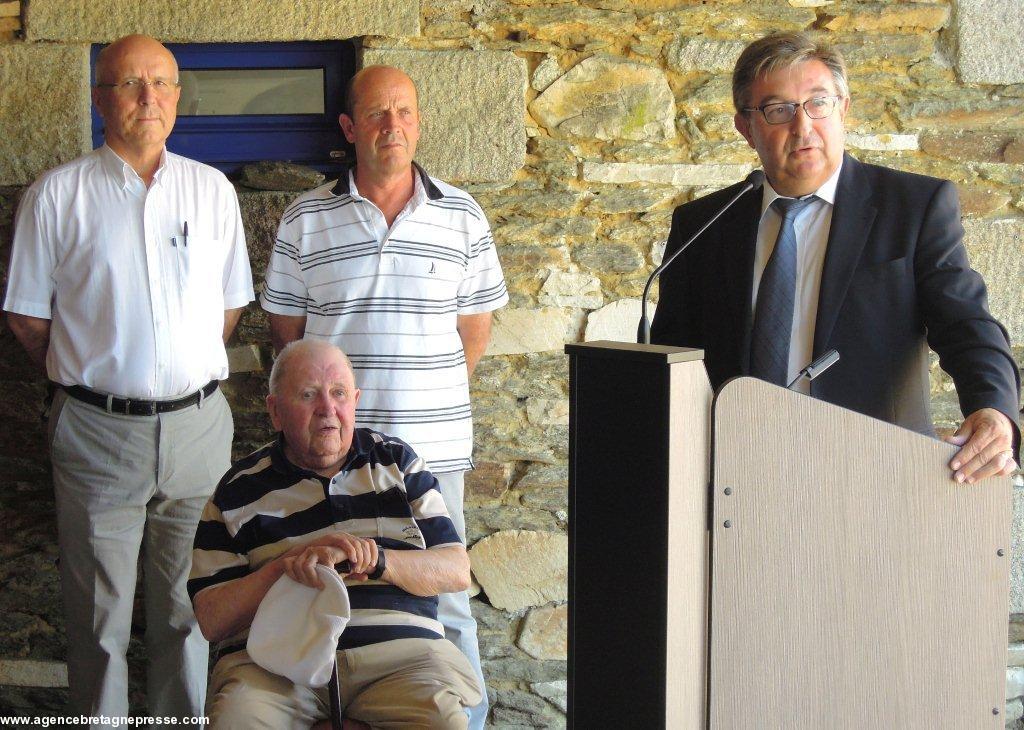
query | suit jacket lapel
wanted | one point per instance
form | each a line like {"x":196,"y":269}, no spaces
{"x":852,"y":218}
{"x":739,"y":239}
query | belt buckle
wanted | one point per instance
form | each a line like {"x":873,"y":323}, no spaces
{"x":142,"y":408}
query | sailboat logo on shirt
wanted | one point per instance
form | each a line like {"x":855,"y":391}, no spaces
{"x":433,"y":268}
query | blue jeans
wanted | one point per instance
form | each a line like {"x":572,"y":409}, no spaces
{"x":453,"y":608}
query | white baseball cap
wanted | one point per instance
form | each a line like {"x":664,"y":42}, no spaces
{"x":296,"y":628}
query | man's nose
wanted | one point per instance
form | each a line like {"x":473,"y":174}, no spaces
{"x":801,"y":123}
{"x":147,"y":92}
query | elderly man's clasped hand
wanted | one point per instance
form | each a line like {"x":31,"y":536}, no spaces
{"x":360,"y":552}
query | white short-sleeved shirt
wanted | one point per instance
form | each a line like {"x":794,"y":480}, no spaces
{"x":135,"y":310}
{"x":390,"y":299}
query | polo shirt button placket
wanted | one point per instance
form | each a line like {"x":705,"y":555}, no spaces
{"x":386,"y":257}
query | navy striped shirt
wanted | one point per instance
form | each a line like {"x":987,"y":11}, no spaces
{"x":390,"y":298}
{"x":265,"y":505}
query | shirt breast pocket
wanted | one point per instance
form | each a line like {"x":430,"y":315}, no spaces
{"x":397,"y":521}
{"x":200,"y":264}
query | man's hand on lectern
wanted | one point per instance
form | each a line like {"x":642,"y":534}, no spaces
{"x":986,"y":441}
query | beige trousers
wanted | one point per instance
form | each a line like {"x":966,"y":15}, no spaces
{"x":404,"y":683}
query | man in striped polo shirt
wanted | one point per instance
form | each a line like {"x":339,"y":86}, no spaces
{"x":398,"y":269}
{"x":326,"y":492}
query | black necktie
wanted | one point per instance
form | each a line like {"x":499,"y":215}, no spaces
{"x":773,"y":316}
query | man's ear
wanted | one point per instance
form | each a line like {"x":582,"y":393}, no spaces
{"x":347,"y":125}
{"x":357,"y":394}
{"x":742,"y":122}
{"x":844,"y":107}
{"x":95,"y":93}
{"x":272,"y":410}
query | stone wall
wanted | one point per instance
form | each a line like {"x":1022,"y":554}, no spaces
{"x":578,"y":125}
{"x":10,"y":20}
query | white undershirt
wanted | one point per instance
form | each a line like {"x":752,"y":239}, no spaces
{"x":811,"y":227}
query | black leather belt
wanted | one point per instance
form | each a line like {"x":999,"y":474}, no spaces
{"x":133,"y":407}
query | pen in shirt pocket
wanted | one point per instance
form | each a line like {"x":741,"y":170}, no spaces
{"x":183,"y":237}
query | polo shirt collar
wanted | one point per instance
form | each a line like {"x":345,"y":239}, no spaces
{"x":362,"y":444}
{"x":346,"y":182}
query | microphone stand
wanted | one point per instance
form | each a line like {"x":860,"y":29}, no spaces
{"x":753,"y":182}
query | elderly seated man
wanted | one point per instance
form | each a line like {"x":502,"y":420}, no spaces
{"x":322,"y":493}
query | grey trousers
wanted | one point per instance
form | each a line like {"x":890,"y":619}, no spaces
{"x":453,"y":608}
{"x":125,"y":484}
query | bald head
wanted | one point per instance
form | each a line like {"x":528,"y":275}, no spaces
{"x":127,"y":52}
{"x":373,"y":77}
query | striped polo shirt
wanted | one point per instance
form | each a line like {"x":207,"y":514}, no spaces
{"x":390,"y":299}
{"x":265,"y":505}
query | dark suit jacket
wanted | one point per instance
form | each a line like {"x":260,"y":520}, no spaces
{"x":895,"y":280}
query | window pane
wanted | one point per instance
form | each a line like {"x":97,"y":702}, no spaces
{"x":221,"y":92}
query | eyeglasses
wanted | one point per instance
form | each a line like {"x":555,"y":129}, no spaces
{"x":134,"y":87}
{"x":781,"y":112}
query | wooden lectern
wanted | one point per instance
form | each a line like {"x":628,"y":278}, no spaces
{"x":815,"y":568}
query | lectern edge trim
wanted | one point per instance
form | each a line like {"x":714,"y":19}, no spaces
{"x":611,"y":350}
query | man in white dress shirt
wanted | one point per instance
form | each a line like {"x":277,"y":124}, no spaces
{"x":129,"y":271}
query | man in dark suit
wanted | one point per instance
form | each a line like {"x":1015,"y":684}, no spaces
{"x":837,"y":254}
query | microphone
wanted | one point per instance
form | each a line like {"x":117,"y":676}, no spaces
{"x":817,"y":367}
{"x":754,"y":181}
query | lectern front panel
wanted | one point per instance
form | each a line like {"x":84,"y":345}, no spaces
{"x":854,"y":584}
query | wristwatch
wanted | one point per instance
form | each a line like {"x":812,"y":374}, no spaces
{"x":345,"y":566}
{"x":379,"y":570}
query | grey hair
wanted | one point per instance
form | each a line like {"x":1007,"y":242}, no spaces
{"x":781,"y":51}
{"x":293,"y":349}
